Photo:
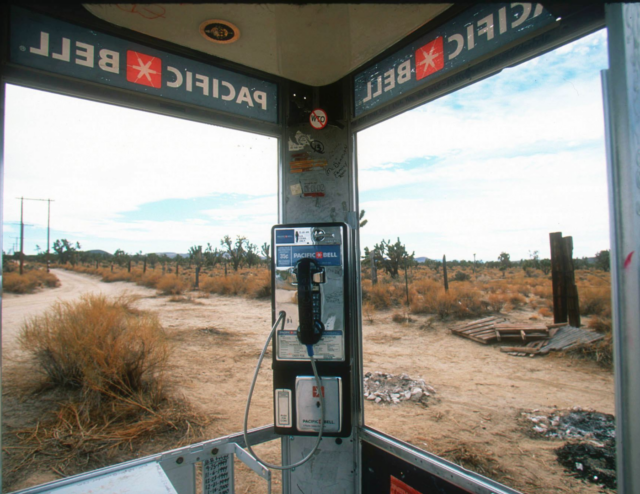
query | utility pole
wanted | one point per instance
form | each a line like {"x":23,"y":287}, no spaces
{"x":22,"y":199}
{"x":21,"y":235}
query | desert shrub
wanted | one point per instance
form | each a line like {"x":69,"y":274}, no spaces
{"x":149,"y":279}
{"x":600,"y":351}
{"x":379,"y":295}
{"x":209,"y":284}
{"x":595,"y":300}
{"x":461,"y":301}
{"x":259,"y":286}
{"x":28,"y":282}
{"x":117,"y":275}
{"x":600,"y":324}
{"x":15,"y":283}
{"x":171,"y":285}
{"x":232,"y":284}
{"x":101,"y":346}
{"x":516,"y":300}
{"x":545,"y":312}
{"x":368,"y":312}
{"x":461,"y":276}
{"x":108,"y":361}
{"x":497,"y":301}
{"x":398,"y":317}
{"x":544,"y":291}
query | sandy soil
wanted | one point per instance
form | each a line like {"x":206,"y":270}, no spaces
{"x":480,"y":391}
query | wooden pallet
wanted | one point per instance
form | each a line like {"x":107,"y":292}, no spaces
{"x":565,"y":338}
{"x":492,"y":329}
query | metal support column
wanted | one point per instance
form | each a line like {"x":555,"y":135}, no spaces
{"x":622,"y":107}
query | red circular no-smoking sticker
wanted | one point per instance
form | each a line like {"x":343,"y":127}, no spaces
{"x":318,"y":119}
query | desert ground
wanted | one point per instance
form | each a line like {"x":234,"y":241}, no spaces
{"x":475,"y":417}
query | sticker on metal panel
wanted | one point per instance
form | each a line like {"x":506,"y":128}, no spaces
{"x":217,"y":475}
{"x":283,"y":407}
{"x":318,"y":119}
{"x":399,"y":487}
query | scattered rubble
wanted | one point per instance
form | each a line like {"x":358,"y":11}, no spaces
{"x":576,"y":423}
{"x":590,"y":453}
{"x":595,"y":463}
{"x":380,"y":387}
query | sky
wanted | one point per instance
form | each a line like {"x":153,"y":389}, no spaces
{"x":494,"y":167}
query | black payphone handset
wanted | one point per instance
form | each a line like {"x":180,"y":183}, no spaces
{"x":309,"y":277}
{"x":310,"y":300}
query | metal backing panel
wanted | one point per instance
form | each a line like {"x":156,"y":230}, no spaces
{"x":332,"y":469}
{"x":322,"y":193}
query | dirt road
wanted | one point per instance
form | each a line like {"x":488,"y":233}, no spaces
{"x":476,"y":418}
{"x":17,"y":308}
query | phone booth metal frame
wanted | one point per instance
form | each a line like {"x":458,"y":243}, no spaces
{"x":366,"y":450}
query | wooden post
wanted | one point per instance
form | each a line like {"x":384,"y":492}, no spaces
{"x":444,"y":272}
{"x":177,"y":266}
{"x":97,"y":264}
{"x":225,"y":269}
{"x":374,"y":269}
{"x":129,"y":266}
{"x":197,"y":276}
{"x":570,"y":288}
{"x":557,"y":277}
{"x":406,"y":282}
{"x":144,"y":265}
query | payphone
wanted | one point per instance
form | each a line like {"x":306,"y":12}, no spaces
{"x":311,"y":331}
{"x":309,"y":271}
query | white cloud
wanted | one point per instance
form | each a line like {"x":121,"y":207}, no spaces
{"x":98,"y":160}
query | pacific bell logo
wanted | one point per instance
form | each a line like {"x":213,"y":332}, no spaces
{"x":144,"y":69}
{"x":319,"y":255}
{"x":429,"y":58}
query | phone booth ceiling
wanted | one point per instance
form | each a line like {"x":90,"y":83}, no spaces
{"x":311,"y":44}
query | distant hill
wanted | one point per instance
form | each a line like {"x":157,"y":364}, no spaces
{"x":100,"y":252}
{"x":170,"y":255}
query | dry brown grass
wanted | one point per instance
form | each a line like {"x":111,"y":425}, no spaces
{"x":171,"y":285}
{"x":98,"y":345}
{"x":545,"y":312}
{"x":595,"y":300}
{"x":461,"y":301}
{"x":28,"y":282}
{"x":110,"y":360}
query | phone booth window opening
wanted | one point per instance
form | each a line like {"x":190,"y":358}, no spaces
{"x":476,"y":208}
{"x":136,"y":282}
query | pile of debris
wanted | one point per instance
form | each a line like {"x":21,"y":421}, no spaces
{"x":381,"y":387}
{"x":540,"y":339}
{"x":590,"y":453}
{"x":587,"y":461}
{"x":576,"y":423}
{"x":491,"y":329}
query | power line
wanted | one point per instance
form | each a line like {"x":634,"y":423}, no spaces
{"x":48,"y":201}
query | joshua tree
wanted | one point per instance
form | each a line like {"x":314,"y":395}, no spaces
{"x":237,"y":251}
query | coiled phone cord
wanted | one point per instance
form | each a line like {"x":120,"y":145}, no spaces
{"x":281,"y":317}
